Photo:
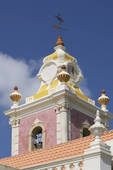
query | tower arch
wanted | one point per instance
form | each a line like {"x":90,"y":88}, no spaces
{"x":37,"y":137}
{"x":84,"y":131}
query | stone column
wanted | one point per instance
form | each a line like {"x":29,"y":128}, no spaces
{"x":63,"y":122}
{"x":58,"y":124}
{"x":15,"y":136}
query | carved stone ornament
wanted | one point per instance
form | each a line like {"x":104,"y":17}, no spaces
{"x":48,"y":72}
{"x":57,"y":108}
{"x":14,"y":122}
{"x":36,"y":121}
{"x":54,"y":168}
{"x":97,"y":129}
{"x":86,"y":124}
{"x":81,"y":164}
{"x":72,"y":166}
{"x":63,"y":167}
{"x":62,"y":107}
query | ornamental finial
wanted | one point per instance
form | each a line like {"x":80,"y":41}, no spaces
{"x":63,"y":76}
{"x":103,"y":100}
{"x":97,"y":129}
{"x":15,"y":97}
{"x":59,"y":41}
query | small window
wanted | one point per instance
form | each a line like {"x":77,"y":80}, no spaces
{"x":37,"y":142}
{"x":85,"y":132}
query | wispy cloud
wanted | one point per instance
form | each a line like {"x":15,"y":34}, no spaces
{"x":17,"y":72}
{"x":84,"y":88}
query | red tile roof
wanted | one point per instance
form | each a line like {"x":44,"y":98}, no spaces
{"x":60,"y":151}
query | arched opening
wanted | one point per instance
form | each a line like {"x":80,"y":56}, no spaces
{"x":71,"y":69}
{"x":37,"y":138}
{"x":85,"y":132}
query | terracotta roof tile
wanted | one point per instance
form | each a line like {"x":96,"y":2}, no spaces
{"x":61,"y":151}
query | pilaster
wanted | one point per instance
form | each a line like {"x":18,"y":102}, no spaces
{"x":15,"y":135}
{"x":62,"y":122}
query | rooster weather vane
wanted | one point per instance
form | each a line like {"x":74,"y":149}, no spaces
{"x":59,"y":18}
{"x":60,"y":21}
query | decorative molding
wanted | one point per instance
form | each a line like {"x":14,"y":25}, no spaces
{"x":14,"y":122}
{"x":72,"y":166}
{"x":86,"y":125}
{"x":57,"y":108}
{"x":63,"y":167}
{"x":36,"y":122}
{"x":64,"y":107}
{"x":54,"y":168}
{"x":40,"y":76}
{"x":62,"y":163}
{"x":50,"y":101}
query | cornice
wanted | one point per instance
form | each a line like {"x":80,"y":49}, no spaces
{"x":81,"y":105}
{"x":52,"y":100}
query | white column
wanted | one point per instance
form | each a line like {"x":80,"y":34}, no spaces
{"x":15,"y":136}
{"x":58,"y":124}
{"x":62,"y":122}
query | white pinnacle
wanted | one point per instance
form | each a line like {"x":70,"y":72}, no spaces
{"x":97,"y":129}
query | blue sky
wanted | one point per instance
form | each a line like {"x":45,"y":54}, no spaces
{"x":26,"y":36}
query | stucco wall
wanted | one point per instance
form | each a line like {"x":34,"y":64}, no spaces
{"x":3,"y":167}
{"x":77,"y":119}
{"x":48,"y":119}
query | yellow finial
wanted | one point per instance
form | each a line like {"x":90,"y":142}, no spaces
{"x":59,"y":38}
{"x":15,"y":97}
{"x":103,"y":100}
{"x":63,"y":76}
{"x":59,"y":41}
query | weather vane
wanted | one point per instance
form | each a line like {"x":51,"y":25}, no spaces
{"x":58,"y":26}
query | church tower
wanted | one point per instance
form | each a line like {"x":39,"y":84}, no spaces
{"x":58,"y":112}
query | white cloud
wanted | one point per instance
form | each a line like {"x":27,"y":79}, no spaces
{"x":84,"y":87}
{"x":16,"y":72}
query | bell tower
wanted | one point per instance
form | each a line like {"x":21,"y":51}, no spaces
{"x":59,"y":111}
